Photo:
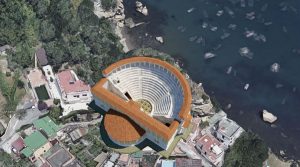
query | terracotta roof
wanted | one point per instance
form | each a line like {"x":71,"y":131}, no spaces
{"x":18,"y":144}
{"x":69,"y":83}
{"x":121,"y":128}
{"x":207,"y":142}
{"x":132,"y":110}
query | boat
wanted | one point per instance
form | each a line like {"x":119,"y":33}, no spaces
{"x":250,"y":16}
{"x":268,"y":117}
{"x":225,"y":35}
{"x":232,"y":26}
{"x":193,"y":38}
{"x":275,"y":67}
{"x":246,"y":87}
{"x":199,"y":40}
{"x":229,"y":11}
{"x":229,"y":69}
{"x":190,"y":10}
{"x":213,"y":28}
{"x":246,"y":52}
{"x":209,"y":55}
{"x":204,"y":25}
{"x":250,"y":33}
{"x":220,"y":13}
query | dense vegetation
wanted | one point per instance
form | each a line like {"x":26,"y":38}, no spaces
{"x":68,"y":30}
{"x":248,"y":150}
{"x":8,"y":87}
{"x":7,"y":161}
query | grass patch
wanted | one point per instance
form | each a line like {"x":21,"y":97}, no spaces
{"x":11,"y":92}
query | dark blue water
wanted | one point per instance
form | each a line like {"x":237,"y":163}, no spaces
{"x":278,"y":92}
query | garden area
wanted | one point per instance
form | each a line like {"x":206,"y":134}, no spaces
{"x":12,"y":89}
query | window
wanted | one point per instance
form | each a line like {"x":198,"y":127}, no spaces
{"x":84,"y":95}
{"x":76,"y":96}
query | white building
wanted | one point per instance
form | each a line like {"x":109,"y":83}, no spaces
{"x":227,"y":131}
{"x":72,"y":89}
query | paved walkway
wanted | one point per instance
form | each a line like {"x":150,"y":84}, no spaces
{"x":15,"y":124}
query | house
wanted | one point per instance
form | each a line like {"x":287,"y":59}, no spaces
{"x":41,"y":57}
{"x":78,"y":134}
{"x":58,"y":156}
{"x":210,"y":148}
{"x":186,"y":162}
{"x":36,"y":145}
{"x":72,"y":89}
{"x":114,"y":157}
{"x":47,"y":126}
{"x":167,"y":163}
{"x":101,"y":158}
{"x":18,"y":145}
{"x":227,"y":131}
{"x":135,"y":159}
{"x":123,"y":160}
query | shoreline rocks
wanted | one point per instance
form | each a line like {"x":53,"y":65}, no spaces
{"x":268,"y":117}
{"x":160,"y":39}
{"x":140,"y":8}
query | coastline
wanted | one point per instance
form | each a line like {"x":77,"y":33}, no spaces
{"x":131,"y":40}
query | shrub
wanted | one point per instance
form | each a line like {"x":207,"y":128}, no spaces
{"x":56,"y":101}
{"x":8,"y":74}
{"x":248,"y":151}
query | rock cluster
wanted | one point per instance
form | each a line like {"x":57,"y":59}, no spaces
{"x":201,"y":102}
{"x":140,"y":8}
{"x":268,"y":117}
{"x":117,"y":14}
{"x":160,"y":39}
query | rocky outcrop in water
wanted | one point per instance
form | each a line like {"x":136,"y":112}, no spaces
{"x":160,"y":39}
{"x":140,"y":8}
{"x":201,"y":102}
{"x":268,"y":117}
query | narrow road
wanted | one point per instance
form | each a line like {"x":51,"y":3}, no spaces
{"x":15,"y":124}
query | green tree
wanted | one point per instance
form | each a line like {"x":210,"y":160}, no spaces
{"x":108,"y":4}
{"x":18,"y":23}
{"x":55,"y":113}
{"x":47,"y":30}
{"x":23,"y":55}
{"x":248,"y":150}
{"x":56,"y":53}
{"x":42,"y":7}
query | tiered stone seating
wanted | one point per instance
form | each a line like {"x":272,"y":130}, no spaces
{"x":153,"y":83}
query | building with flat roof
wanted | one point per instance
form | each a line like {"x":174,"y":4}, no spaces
{"x":46,"y":125}
{"x":186,"y":162}
{"x":36,"y":144}
{"x":227,"y":131}
{"x":72,"y":89}
{"x":211,"y":149}
{"x":167,"y":163}
{"x":143,"y":98}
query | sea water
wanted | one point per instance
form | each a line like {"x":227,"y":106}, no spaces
{"x":269,"y":29}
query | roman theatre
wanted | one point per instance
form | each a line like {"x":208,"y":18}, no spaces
{"x":143,"y":98}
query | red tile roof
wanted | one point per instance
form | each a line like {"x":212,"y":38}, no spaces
{"x":18,"y":144}
{"x":208,"y":141}
{"x":69,"y":84}
{"x":121,"y":128}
